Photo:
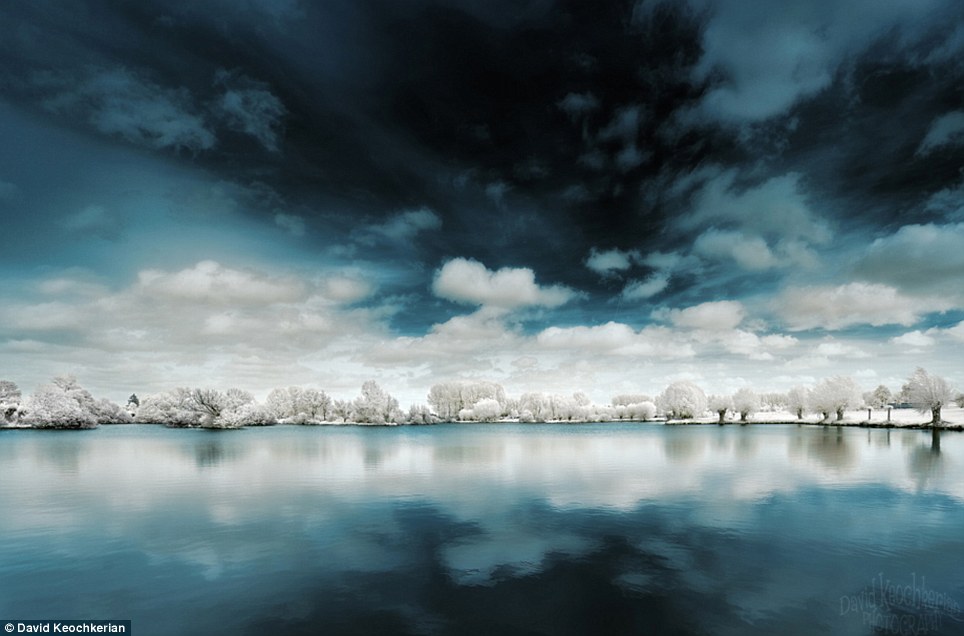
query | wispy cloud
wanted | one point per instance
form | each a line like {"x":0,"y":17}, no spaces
{"x":401,"y":227}
{"x":248,"y":106}
{"x":119,"y":102}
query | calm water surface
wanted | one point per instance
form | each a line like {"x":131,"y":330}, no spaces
{"x":486,"y":529}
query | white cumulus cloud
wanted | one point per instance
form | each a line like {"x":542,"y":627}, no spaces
{"x":828,"y":307}
{"x":467,"y":281}
{"x":616,"y":338}
{"x":710,"y":316}
{"x":835,"y":349}
{"x":957,"y":331}
{"x":610,"y":262}
{"x":915,"y":338}
{"x":211,"y":282}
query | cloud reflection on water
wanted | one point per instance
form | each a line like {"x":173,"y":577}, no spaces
{"x":697,"y":509}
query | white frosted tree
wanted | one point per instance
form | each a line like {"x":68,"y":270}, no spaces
{"x":475,"y":391}
{"x":773,"y":401}
{"x":61,"y":404}
{"x":682,"y":400}
{"x":929,"y":393}
{"x":209,"y":404}
{"x":234,"y":399}
{"x":170,"y":408}
{"x":284,"y":404}
{"x":534,"y":407}
{"x":446,"y":399}
{"x":294,"y":405}
{"x":248,"y":414}
{"x":835,"y":395}
{"x":625,"y":399}
{"x":487,"y":410}
{"x":798,"y":400}
{"x":606,"y":412}
{"x":420,"y":414}
{"x":878,"y":398}
{"x":561,"y":408}
{"x":108,"y":412}
{"x":375,"y":406}
{"x":645,"y":410}
{"x":745,"y":402}
{"x":10,"y":400}
{"x":451,"y":398}
{"x":341,"y":410}
{"x":720,"y":404}
{"x":207,"y":408}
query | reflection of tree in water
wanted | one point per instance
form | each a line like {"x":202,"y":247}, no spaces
{"x":214,"y":452}
{"x":61,"y":449}
{"x":208,"y":454}
{"x":746,"y":443}
{"x":925,"y":460}
{"x":378,"y":452}
{"x":469,"y":454}
{"x":830,"y":446}
{"x":681,"y":443}
{"x":723,"y":440}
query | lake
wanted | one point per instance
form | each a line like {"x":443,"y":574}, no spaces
{"x":486,"y":529}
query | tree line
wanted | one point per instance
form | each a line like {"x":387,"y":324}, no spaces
{"x":64,"y":403}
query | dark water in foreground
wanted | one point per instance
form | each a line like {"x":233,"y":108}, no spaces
{"x":486,"y":529}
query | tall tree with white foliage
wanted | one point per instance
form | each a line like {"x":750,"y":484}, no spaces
{"x":929,"y":393}
{"x":745,"y":402}
{"x":682,"y":400}
{"x":798,"y":400}
{"x":720,"y":404}
{"x":451,"y":398}
{"x":835,"y":395}
{"x":10,"y":399}
{"x":203,"y":407}
{"x":421,"y":414}
{"x":295,"y":405}
{"x":375,"y":406}
{"x":62,"y":403}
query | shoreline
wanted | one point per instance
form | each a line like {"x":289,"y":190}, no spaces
{"x":925,"y":426}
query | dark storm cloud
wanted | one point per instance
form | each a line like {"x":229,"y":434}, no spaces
{"x":529,"y":130}
{"x":383,"y":105}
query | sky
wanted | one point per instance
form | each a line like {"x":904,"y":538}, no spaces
{"x":556,"y":195}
